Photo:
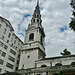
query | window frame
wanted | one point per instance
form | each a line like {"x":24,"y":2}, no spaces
{"x":3,"y":54}
{"x":13,"y":52}
{"x":31,"y":36}
{"x":1,"y":61}
{"x":9,"y":65}
{"x":11,"y":58}
{"x":5,"y":47}
{"x":1,"y":44}
{"x":0,"y":25}
{"x":0,"y":70}
{"x":2,"y":37}
{"x":4,"y":31}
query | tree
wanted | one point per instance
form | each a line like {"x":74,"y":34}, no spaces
{"x":65,"y":52}
{"x":72,"y":23}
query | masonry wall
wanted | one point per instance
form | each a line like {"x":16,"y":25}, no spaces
{"x":52,"y":62}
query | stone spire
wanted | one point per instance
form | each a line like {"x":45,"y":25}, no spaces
{"x":37,"y":8}
{"x":36,"y":18}
{"x":37,"y":2}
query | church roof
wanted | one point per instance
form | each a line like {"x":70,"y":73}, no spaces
{"x":58,"y":57}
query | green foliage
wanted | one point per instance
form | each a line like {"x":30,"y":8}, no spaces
{"x":72,"y":23}
{"x":65,"y":52}
{"x":72,"y":4}
{"x":73,"y":13}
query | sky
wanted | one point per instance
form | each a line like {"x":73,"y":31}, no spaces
{"x":55,"y":20}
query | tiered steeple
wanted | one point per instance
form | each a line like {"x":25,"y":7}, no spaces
{"x":36,"y":18}
{"x":37,"y":2}
{"x":34,"y":41}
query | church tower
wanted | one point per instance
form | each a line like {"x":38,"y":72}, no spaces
{"x":34,"y":41}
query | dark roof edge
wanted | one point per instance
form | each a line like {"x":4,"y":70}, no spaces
{"x":12,"y":73}
{"x":18,"y":37}
{"x":6,"y":23}
{"x":57,"y":57}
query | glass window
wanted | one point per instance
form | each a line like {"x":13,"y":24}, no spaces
{"x":5,"y":47}
{"x":41,"y":39}
{"x":1,"y":61}
{"x":58,"y":64}
{"x":17,"y":61}
{"x":31,"y":36}
{"x":4,"y":31}
{"x":3,"y":54}
{"x":11,"y":58}
{"x":9,"y":35}
{"x":9,"y":65}
{"x":6,"y":25}
{"x":19,"y":56}
{"x":37,"y":20}
{"x":0,"y":51}
{"x":34,"y":20}
{"x":43,"y":66}
{"x":37,"y":15}
{"x":14,"y":42}
{"x":6,"y":71}
{"x":0,"y":70}
{"x":2,"y":37}
{"x":13,"y":52}
{"x":1,"y":44}
{"x":73,"y":63}
{"x":7,"y":41}
{"x":0,"y":25}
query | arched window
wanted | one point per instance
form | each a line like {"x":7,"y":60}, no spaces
{"x":73,"y":63}
{"x":37,"y":20}
{"x":37,"y":15}
{"x":34,"y":20}
{"x":58,"y":64}
{"x":43,"y":66}
{"x":31,"y":36}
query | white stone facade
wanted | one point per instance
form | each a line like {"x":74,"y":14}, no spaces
{"x":63,"y":60}
{"x":10,"y":46}
{"x":33,"y":48}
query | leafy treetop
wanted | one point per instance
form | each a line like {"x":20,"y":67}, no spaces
{"x":65,"y":52}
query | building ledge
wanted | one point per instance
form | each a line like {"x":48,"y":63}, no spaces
{"x":11,"y":73}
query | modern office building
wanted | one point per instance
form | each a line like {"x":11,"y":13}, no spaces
{"x":10,"y":46}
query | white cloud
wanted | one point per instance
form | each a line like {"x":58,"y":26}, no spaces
{"x":55,"y":14}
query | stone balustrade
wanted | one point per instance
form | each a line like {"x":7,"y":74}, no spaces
{"x":48,"y":69}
